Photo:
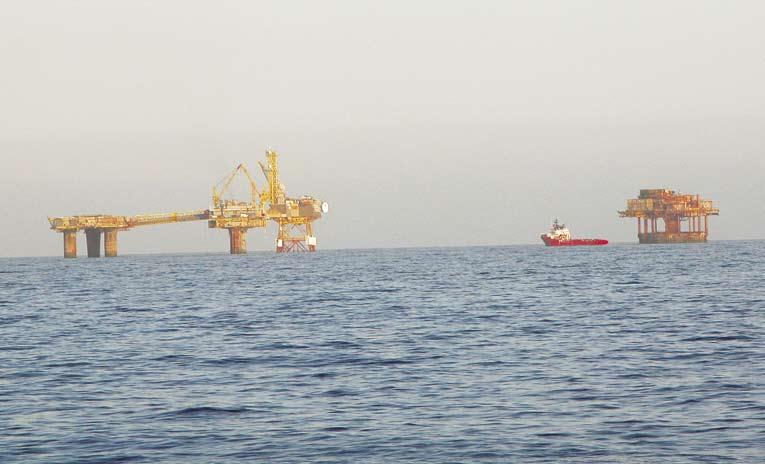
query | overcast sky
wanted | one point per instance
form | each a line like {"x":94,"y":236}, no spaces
{"x":422,"y":123}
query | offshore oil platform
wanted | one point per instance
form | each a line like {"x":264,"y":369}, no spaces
{"x":685,"y":218}
{"x":293,"y":216}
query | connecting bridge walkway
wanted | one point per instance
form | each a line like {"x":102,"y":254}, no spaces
{"x":95,"y":225}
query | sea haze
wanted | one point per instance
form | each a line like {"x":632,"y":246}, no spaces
{"x":622,"y":353}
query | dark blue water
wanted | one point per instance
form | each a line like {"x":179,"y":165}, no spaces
{"x":516,"y":354}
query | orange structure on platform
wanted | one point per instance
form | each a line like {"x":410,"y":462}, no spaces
{"x":683,"y":218}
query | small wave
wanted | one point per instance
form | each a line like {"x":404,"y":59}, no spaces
{"x":335,"y":429}
{"x":606,"y":407}
{"x":718,"y":338}
{"x":207,"y":411}
{"x":709,"y":429}
{"x":641,"y":435}
{"x":17,"y":347}
{"x":174,"y":357}
{"x":283,"y":346}
{"x":341,"y":344}
{"x":10,"y":320}
{"x":338,"y":392}
{"x":233,"y":360}
{"x":735,"y":386}
{"x":626,"y":422}
{"x":68,"y":364}
{"x":125,"y":309}
{"x":378,"y":290}
{"x":689,"y":401}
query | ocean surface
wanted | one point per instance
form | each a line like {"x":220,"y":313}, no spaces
{"x":623,"y":353}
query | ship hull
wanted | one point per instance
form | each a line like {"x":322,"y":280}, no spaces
{"x":574,"y":241}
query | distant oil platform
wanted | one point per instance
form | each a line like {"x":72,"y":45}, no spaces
{"x":685,"y":218}
{"x":294,"y":217}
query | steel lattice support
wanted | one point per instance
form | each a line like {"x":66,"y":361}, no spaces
{"x":293,"y":237}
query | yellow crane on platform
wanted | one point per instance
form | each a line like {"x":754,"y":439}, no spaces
{"x":294,"y":217}
{"x":237,"y":216}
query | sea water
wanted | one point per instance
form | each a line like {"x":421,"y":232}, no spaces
{"x":622,"y":353}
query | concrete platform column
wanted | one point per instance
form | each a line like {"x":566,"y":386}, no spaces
{"x":110,"y":243}
{"x":93,"y":239}
{"x":70,"y":244}
{"x":238,"y":240}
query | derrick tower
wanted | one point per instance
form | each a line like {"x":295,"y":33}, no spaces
{"x":293,"y":216}
{"x":685,"y":218}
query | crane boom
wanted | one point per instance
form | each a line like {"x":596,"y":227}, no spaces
{"x":226,"y":182}
{"x":254,"y":193}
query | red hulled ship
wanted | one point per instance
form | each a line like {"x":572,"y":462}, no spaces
{"x":560,"y":236}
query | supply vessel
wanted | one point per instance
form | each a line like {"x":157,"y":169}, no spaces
{"x":559,"y":235}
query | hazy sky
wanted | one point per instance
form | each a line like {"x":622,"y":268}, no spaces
{"x":422,"y":123}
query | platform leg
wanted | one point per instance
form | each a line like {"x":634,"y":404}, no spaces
{"x":110,"y":243}
{"x":93,"y":239}
{"x":237,"y":240}
{"x":70,"y":244}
